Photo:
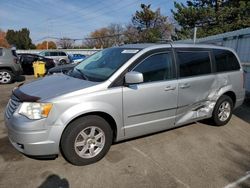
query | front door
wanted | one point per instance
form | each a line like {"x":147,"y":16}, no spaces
{"x":151,"y":106}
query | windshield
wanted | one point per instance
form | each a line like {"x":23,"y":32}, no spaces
{"x":103,"y":64}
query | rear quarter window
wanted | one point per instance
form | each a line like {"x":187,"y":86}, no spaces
{"x":62,"y":53}
{"x":225,"y":61}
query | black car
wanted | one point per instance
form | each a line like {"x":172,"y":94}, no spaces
{"x":62,"y":68}
{"x":26,"y":61}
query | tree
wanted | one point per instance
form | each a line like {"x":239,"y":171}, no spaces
{"x":43,"y":45}
{"x":105,"y":37}
{"x":21,"y":38}
{"x":211,"y":17}
{"x":65,"y":43}
{"x":148,"y":26}
{"x":3,"y":42}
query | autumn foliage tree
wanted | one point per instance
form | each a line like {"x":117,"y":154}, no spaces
{"x":105,"y":37}
{"x":65,"y":43}
{"x":3,"y":42}
{"x":43,"y":45}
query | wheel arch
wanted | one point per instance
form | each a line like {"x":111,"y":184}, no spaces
{"x":6,"y":68}
{"x":232,"y":95}
{"x":104,"y":115}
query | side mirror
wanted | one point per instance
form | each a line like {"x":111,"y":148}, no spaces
{"x":133,"y":77}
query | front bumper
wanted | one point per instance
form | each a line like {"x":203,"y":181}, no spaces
{"x":29,"y":141}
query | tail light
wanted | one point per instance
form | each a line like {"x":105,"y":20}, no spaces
{"x":16,"y":60}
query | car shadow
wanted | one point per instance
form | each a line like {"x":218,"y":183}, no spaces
{"x":54,"y":181}
{"x":243,"y":111}
{"x":20,"y":78}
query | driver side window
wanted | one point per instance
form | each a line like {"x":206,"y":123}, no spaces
{"x":156,"y":67}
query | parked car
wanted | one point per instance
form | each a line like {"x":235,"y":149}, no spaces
{"x":62,"y":69}
{"x":26,"y":61}
{"x":76,"y":58}
{"x":60,"y":57}
{"x":10,"y":68}
{"x":121,"y":93}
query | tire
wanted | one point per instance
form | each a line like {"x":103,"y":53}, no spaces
{"x":226,"y":115}
{"x":80,"y":147}
{"x":6,"y":76}
{"x":62,"y":62}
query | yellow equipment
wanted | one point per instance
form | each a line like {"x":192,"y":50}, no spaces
{"x":39,"y":68}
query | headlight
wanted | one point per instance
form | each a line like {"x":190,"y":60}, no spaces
{"x":35,"y":110}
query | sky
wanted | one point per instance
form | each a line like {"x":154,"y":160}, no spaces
{"x":71,"y":18}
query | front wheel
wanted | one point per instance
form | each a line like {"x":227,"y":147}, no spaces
{"x":86,"y":140}
{"x":222,"y":111}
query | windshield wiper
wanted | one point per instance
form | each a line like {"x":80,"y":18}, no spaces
{"x":82,"y":74}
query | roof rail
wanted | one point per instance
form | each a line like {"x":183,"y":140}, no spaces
{"x":162,"y":41}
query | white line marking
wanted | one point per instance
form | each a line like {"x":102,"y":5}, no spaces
{"x":239,"y":181}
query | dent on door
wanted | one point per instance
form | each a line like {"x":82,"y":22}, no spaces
{"x":198,"y":96}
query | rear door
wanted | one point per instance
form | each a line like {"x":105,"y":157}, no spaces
{"x":151,"y":106}
{"x":195,"y":83}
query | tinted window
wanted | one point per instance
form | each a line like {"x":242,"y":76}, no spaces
{"x":46,"y":54}
{"x":1,"y":51}
{"x":193,"y":63}
{"x":61,"y":53}
{"x":53,"y":53}
{"x":156,"y":67}
{"x":225,"y":61}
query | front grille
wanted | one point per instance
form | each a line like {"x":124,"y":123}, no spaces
{"x":13,"y":104}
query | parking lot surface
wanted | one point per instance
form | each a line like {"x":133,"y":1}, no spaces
{"x":197,"y":155}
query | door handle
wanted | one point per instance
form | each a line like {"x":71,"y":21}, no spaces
{"x":185,"y":85}
{"x":169,"y":88}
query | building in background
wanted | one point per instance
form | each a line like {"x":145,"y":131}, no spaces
{"x":239,"y":40}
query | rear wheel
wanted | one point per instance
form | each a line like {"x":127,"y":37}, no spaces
{"x":6,"y":76}
{"x":86,"y":140}
{"x":62,"y":62}
{"x":222,"y":111}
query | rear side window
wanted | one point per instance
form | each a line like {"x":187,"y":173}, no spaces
{"x":156,"y":67}
{"x":61,"y":53}
{"x":225,"y":61}
{"x":1,"y":51}
{"x":194,"y":63}
{"x":46,"y":54}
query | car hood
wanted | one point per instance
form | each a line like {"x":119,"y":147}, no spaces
{"x":52,"y":86}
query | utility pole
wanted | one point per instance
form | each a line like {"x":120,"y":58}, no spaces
{"x":195,"y":33}
{"x":47,"y":41}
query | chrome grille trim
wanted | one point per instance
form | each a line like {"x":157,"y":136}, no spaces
{"x":13,"y":104}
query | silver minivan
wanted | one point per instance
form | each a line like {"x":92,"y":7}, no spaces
{"x":121,"y":93}
{"x":59,"y":57}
